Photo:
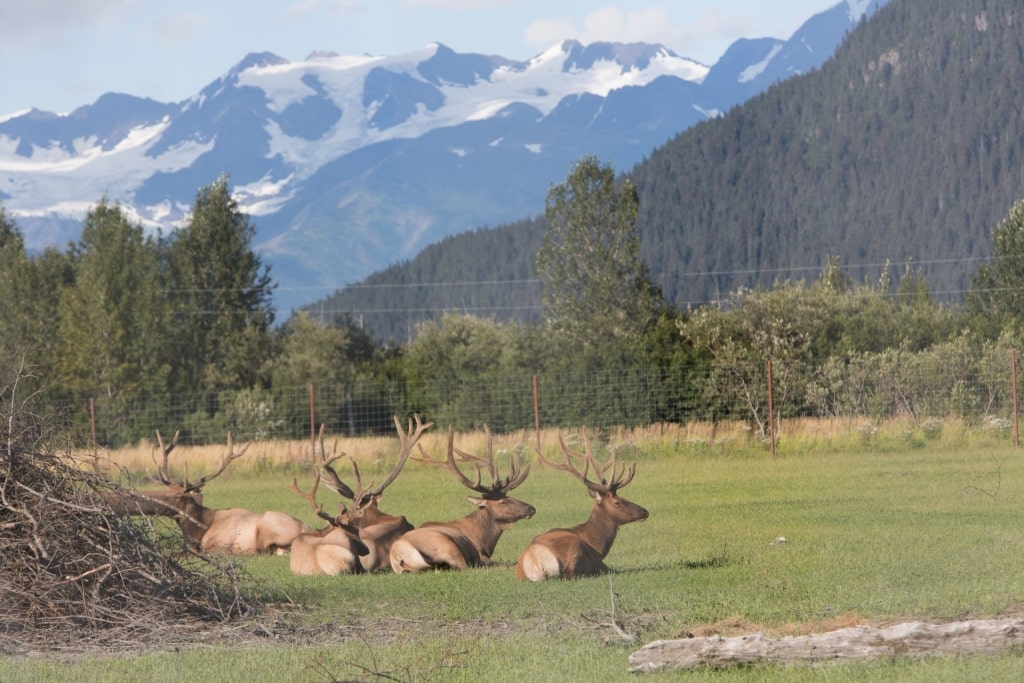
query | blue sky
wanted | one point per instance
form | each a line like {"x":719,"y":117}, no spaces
{"x":57,"y":55}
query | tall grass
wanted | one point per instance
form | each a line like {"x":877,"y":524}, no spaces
{"x":880,"y":524}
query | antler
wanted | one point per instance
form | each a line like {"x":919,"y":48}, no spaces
{"x":361,"y":496}
{"x":619,"y":479}
{"x":228,"y":457}
{"x":499,"y":488}
{"x":162,"y":468}
{"x":318,"y":508}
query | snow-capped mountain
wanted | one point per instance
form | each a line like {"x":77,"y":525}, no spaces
{"x":347,"y":164}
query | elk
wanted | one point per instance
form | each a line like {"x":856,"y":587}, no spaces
{"x":469,"y":541}
{"x":335,"y":549}
{"x":580,"y":551}
{"x":230,"y":531}
{"x":377,"y":529}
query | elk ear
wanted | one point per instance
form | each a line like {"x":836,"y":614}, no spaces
{"x":479,"y":502}
{"x":596,"y":495}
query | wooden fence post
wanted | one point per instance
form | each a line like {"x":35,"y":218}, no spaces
{"x":536,"y":411}
{"x":312,"y":420}
{"x":771,"y":409}
{"x":1013,"y":393}
{"x":92,"y":424}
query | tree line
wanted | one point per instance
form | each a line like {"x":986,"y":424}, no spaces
{"x":123,"y":314}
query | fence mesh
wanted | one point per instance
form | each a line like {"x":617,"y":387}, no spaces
{"x":972,"y":386}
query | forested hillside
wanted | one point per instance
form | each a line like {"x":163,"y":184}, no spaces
{"x":904,"y":147}
{"x":485,"y":272}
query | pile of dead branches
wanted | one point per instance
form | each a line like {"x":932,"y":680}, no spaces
{"x":74,"y":575}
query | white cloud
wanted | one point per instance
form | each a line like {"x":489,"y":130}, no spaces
{"x":174,"y":31}
{"x":456,"y":4}
{"x":306,"y":8}
{"x":43,"y":23}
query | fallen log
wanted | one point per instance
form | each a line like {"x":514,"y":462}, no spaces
{"x":856,"y":644}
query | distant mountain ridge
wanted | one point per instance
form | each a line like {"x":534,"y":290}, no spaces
{"x":348,"y":164}
{"x":899,"y":156}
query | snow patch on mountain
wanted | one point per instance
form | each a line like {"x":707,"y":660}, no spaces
{"x":755,"y":70}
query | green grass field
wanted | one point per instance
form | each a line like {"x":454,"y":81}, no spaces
{"x":877,"y":530}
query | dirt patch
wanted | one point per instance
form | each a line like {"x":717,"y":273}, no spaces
{"x":738,"y":626}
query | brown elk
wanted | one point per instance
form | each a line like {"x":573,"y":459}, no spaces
{"x":233,"y":530}
{"x":335,"y":549}
{"x":377,"y":529}
{"x":364,"y":533}
{"x":580,"y":551}
{"x":469,"y":541}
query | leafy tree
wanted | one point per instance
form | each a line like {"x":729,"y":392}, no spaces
{"x":113,"y":316}
{"x":596,"y":288}
{"x":996,"y":299}
{"x":757,"y":327}
{"x":222,"y":293}
{"x":330,"y":356}
{"x":460,"y":357}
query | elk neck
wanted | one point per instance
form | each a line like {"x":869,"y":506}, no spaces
{"x":482,"y":530}
{"x":598,"y":531}
{"x":193,"y":518}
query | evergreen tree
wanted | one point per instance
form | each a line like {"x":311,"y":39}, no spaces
{"x":596,"y":288}
{"x":222,"y":295}
{"x":113,"y":318}
{"x":14,"y":292}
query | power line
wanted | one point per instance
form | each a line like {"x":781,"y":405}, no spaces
{"x":684,"y":274}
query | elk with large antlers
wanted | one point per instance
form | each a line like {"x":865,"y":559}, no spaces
{"x":580,"y":551}
{"x":376,"y":530}
{"x":335,"y":549}
{"x":469,"y":541}
{"x":233,"y":530}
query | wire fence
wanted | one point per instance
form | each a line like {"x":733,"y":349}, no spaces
{"x":977,"y":387}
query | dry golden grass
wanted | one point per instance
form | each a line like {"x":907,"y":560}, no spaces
{"x":805,"y":432}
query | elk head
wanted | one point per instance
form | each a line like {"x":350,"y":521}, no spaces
{"x":605,"y":490}
{"x":365,"y":500}
{"x":494,"y":497}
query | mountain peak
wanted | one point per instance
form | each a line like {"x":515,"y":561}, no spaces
{"x":257,"y":59}
{"x":628,"y":55}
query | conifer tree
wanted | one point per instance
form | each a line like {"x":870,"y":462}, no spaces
{"x":596,"y":288}
{"x":112,"y":317}
{"x":222,"y":296}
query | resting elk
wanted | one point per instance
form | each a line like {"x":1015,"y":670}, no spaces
{"x":469,"y":541}
{"x":377,"y":529}
{"x":580,"y":551}
{"x":372,"y":529}
{"x":232,"y":531}
{"x":336,"y":548}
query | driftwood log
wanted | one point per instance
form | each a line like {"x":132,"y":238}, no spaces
{"x":856,"y":644}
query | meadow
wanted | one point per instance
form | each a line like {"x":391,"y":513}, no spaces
{"x":880,"y":525}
